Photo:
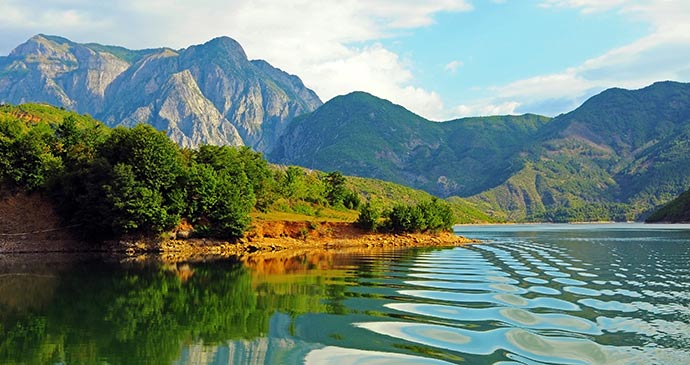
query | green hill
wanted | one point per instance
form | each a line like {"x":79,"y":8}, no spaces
{"x":676,"y":211}
{"x":617,"y":157}
{"x":387,"y":194}
{"x":122,"y":181}
{"x":363,"y":135}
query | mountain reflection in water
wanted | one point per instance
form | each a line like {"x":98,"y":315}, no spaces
{"x":535,"y":295}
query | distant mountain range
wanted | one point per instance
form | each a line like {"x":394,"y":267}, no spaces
{"x":617,"y":157}
{"x":209,"y":93}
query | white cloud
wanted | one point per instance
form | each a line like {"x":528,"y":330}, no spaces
{"x":486,"y":108}
{"x":664,"y":54}
{"x":331,"y":44}
{"x":587,"y":6}
{"x":324,"y":42}
{"x":453,"y":66}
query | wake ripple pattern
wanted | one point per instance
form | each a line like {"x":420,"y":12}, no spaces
{"x":547,"y":301}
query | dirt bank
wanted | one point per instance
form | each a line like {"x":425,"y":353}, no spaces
{"x":29,"y":224}
{"x":293,"y":237}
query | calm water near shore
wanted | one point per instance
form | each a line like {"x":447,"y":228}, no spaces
{"x":532,"y":294}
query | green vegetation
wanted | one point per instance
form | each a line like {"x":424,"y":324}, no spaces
{"x":676,"y":211}
{"x":369,"y":215}
{"x":114,"y":182}
{"x":99,"y":313}
{"x":432,"y":216}
{"x":385,"y":195}
{"x":427,"y":216}
{"x":360,"y":134}
{"x":615,"y":158}
{"x":129,"y":181}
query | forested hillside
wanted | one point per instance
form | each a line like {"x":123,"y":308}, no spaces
{"x":113,"y":182}
{"x":676,"y":211}
{"x":363,"y":135}
{"x":617,"y":157}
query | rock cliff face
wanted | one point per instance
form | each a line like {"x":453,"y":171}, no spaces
{"x":209,"y":93}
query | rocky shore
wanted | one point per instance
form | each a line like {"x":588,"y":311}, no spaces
{"x":287,"y":237}
{"x":31,"y":226}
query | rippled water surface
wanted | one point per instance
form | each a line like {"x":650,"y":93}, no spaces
{"x":537,"y":294}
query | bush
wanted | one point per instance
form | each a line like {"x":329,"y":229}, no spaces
{"x":218,"y":203}
{"x":351,"y":200}
{"x":144,"y":191}
{"x":335,"y":188}
{"x":406,"y":218}
{"x":368,"y":218}
{"x":433,"y":216}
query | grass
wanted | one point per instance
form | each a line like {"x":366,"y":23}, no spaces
{"x":325,"y":215}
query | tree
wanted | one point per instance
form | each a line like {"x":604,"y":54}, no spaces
{"x":335,"y":188}
{"x":242,"y":160}
{"x":293,"y":183}
{"x":218,"y":203}
{"x":368,"y":218}
{"x":144,"y":185}
{"x":156,"y":160}
{"x":134,"y":206}
{"x":433,"y":216}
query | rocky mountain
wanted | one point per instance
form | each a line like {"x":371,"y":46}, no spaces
{"x":210,"y":93}
{"x":619,"y":155}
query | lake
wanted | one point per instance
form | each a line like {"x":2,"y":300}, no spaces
{"x":531,"y":294}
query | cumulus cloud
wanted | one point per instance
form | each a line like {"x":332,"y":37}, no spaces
{"x":486,"y":108}
{"x":664,"y":54}
{"x":332,"y":44}
{"x":327,"y":43}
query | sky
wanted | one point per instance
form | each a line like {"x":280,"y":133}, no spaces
{"x":442,"y":59}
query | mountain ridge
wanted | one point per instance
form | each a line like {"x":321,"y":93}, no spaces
{"x":616,"y":157}
{"x":253,"y":101}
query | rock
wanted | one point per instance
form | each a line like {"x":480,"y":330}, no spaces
{"x":183,"y":235}
{"x":204,"y":94}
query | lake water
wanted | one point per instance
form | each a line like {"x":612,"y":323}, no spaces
{"x":533,"y":294}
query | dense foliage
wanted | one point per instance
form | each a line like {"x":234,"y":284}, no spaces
{"x":113,"y":182}
{"x":427,"y":216}
{"x":676,"y":211}
{"x":368,"y":218}
{"x":129,"y":181}
{"x":433,"y":216}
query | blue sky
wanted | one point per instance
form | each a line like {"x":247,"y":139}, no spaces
{"x":497,"y":43}
{"x":439,"y":58}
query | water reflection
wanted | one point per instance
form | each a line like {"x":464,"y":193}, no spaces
{"x":532,"y":297}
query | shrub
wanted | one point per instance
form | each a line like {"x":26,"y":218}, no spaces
{"x":433,"y":216}
{"x":368,"y":218}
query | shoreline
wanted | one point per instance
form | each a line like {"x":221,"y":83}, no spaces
{"x":288,"y":238}
{"x":265,"y":237}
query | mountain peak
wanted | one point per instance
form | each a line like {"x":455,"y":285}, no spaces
{"x":364,"y":102}
{"x":41,"y":44}
{"x":218,"y":93}
{"x":227,"y":45}
{"x":50,"y":38}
